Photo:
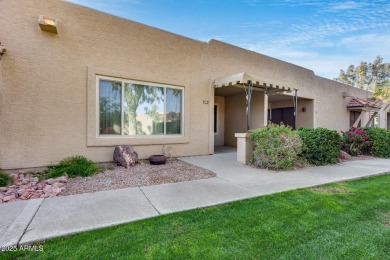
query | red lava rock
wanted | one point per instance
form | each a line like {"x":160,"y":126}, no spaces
{"x":21,"y":191}
{"x":28,"y":187}
{"x":9,"y":198}
{"x":10,"y":191}
{"x":50,"y":181}
{"x":63,"y":179}
{"x":56,"y":190}
{"x":58,"y":185}
{"x":48,"y":189}
{"x":25,"y":194}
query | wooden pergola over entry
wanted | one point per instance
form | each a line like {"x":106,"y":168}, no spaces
{"x":251,"y":83}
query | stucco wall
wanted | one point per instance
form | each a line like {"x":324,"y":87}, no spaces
{"x":45,"y":96}
{"x":235,"y":115}
{"x":45,"y":79}
{"x":304,"y":119}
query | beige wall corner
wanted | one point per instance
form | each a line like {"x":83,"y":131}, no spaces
{"x":244,"y":148}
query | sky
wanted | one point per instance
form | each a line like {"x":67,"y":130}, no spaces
{"x":324,"y":36}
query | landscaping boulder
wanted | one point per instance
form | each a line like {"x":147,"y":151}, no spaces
{"x":124,"y":155}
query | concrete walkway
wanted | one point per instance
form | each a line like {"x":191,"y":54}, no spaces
{"x":24,"y":222}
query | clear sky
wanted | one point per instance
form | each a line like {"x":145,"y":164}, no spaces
{"x":324,"y":36}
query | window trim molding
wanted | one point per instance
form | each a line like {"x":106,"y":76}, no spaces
{"x":93,"y":137}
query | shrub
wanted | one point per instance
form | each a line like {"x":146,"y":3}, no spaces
{"x":275,"y":147}
{"x":320,"y":145}
{"x":5,"y":179}
{"x":355,"y":142}
{"x":380,"y":141}
{"x":72,"y":166}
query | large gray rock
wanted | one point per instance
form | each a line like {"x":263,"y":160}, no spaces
{"x":124,"y":155}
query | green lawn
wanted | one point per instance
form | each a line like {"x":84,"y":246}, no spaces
{"x":348,"y":220}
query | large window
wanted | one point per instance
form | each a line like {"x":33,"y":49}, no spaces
{"x":131,"y":108}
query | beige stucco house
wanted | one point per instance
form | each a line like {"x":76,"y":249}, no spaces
{"x":77,"y":81}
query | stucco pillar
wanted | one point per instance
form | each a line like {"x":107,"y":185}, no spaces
{"x":265,"y":109}
{"x":244,"y":148}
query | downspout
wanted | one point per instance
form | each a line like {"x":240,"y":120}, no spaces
{"x":248,"y":104}
{"x":295,"y":108}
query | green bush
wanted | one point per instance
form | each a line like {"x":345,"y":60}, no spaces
{"x":320,"y":145}
{"x":5,"y":179}
{"x":355,"y":142}
{"x":72,"y":166}
{"x":380,"y":141}
{"x":275,"y":147}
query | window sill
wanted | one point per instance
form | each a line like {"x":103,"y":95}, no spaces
{"x":138,"y":140}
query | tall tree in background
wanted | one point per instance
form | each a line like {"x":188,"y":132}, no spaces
{"x":374,"y":77}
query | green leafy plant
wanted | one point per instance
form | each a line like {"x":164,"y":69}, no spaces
{"x":321,"y":146}
{"x":275,"y":147}
{"x":72,"y":166}
{"x":380,"y":141}
{"x":355,"y":142}
{"x":5,"y":179}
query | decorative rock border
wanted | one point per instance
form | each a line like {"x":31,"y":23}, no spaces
{"x":27,"y":187}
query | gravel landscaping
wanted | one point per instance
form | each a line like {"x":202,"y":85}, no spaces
{"x":143,"y":174}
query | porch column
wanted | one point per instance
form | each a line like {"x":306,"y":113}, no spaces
{"x":265,"y":109}
{"x":244,"y":148}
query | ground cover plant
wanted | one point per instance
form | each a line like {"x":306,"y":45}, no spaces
{"x":5,"y":179}
{"x":72,"y":166}
{"x":275,"y":147}
{"x":321,"y":146}
{"x":347,"y":220}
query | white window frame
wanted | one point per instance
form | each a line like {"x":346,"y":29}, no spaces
{"x":123,"y":81}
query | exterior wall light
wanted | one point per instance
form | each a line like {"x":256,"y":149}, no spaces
{"x":303,"y":109}
{"x":2,"y":50}
{"x":47,"y":24}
